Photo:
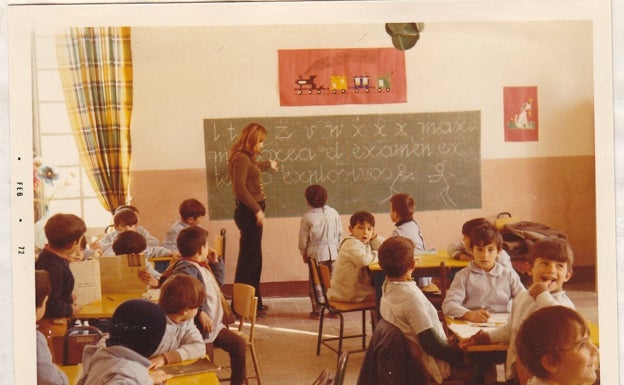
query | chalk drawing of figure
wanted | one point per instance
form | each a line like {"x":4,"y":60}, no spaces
{"x":441,"y":177}
{"x":521,"y":120}
{"x":402,"y":176}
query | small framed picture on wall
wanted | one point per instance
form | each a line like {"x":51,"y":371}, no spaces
{"x":521,"y":114}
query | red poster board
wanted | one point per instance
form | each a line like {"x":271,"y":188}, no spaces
{"x":521,"y":114}
{"x":311,"y":77}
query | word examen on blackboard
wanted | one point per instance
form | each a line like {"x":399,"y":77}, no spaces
{"x":362,"y":160}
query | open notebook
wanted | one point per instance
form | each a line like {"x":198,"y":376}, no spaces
{"x":202,"y":365}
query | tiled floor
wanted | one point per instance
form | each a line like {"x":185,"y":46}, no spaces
{"x":286,"y":340}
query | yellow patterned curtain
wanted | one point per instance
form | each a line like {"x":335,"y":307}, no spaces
{"x":95,"y":66}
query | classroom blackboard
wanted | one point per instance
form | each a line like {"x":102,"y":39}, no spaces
{"x":362,"y":160}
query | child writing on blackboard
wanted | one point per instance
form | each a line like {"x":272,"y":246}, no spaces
{"x":320,"y":233}
{"x":351,"y":280}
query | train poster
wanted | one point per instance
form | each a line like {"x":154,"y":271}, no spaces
{"x":341,"y":76}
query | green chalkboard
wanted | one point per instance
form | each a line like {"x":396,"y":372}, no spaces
{"x":362,"y":160}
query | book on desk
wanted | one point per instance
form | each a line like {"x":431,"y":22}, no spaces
{"x":202,"y":365}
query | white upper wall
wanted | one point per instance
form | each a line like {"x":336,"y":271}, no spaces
{"x":186,"y":74}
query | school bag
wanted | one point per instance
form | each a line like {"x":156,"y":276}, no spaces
{"x":76,"y":338}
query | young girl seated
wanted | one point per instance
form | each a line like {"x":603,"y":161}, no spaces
{"x":553,"y":344}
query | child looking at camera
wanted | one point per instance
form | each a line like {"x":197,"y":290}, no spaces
{"x":550,"y":261}
{"x":351,"y":280}
{"x":553,"y":344}
{"x":484,"y":286}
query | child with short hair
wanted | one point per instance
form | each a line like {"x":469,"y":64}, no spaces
{"x":64,"y":233}
{"x":125,"y":220}
{"x":463,"y":250}
{"x":404,"y":305}
{"x":320,"y":232}
{"x":136,"y":330}
{"x":126,"y":217}
{"x":550,"y":261}
{"x":133,"y":243}
{"x":402,"y":208}
{"x":194,"y":253}
{"x":47,"y":372}
{"x":484,"y":286}
{"x":553,"y":343}
{"x":180,"y":296}
{"x":351,"y":280}
{"x":192,"y":213}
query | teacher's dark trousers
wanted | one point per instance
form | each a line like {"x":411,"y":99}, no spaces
{"x":249,"y":265}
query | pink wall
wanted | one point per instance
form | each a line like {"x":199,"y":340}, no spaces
{"x":557,"y":191}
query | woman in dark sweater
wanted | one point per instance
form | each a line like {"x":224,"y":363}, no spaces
{"x":250,"y":203}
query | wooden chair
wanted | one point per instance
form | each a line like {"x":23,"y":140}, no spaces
{"x":220,"y":244}
{"x":440,"y":275}
{"x":245,"y":305}
{"x":321,"y":279}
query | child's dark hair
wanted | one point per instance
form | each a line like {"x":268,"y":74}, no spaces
{"x":139,"y":325}
{"x":126,"y":207}
{"x":554,"y":249}
{"x":486,"y":234}
{"x":129,"y":242}
{"x":361,"y":217}
{"x":42,"y":286}
{"x":62,"y":230}
{"x":396,"y":256}
{"x":316,"y":195}
{"x":191,"y":208}
{"x":190,"y":240}
{"x":404,"y":205}
{"x":181,"y":292}
{"x":544,"y":333}
{"x":472,"y":224}
{"x":125,"y":217}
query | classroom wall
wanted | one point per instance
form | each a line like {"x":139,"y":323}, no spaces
{"x":184,"y":75}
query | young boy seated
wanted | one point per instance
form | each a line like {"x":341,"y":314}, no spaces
{"x":124,"y":220}
{"x":64,"y":233}
{"x":553,"y":344}
{"x":133,"y":243}
{"x":402,"y":207}
{"x":550,"y":261}
{"x":194,"y":251}
{"x":191,"y":213}
{"x":351,"y":280}
{"x":47,"y":372}
{"x":136,"y":330}
{"x":463,"y":250}
{"x":484,"y":286}
{"x":180,"y":297}
{"x":404,"y":305}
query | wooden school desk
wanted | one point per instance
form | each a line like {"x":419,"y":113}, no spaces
{"x":73,"y":373}
{"x":430,"y":259}
{"x":105,"y":307}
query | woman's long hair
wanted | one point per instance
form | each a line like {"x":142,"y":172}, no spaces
{"x":247,"y":140}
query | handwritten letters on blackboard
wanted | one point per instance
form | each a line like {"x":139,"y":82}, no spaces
{"x":362,"y":160}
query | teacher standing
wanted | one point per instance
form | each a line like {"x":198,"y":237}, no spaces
{"x":249,"y":215}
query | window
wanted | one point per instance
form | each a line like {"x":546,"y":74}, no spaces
{"x":67,"y":188}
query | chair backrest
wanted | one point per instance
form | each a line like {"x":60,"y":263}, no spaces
{"x":323,"y":378}
{"x":341,"y":370}
{"x":220,"y":244}
{"x":441,"y":272}
{"x":245,"y":305}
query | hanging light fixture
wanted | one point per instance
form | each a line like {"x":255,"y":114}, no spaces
{"x":404,"y":35}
